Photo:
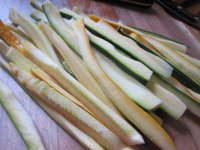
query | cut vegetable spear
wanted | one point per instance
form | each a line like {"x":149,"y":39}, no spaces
{"x":185,"y":71}
{"x":20,"y":118}
{"x":36,"y":35}
{"x":76,"y":65}
{"x":134,"y":113}
{"x":108,"y":117}
{"x":72,"y":112}
{"x":135,"y":90}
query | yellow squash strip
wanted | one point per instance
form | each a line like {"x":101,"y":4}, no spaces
{"x":72,"y":112}
{"x":79,"y":135}
{"x":76,"y":65}
{"x":40,"y":74}
{"x":9,"y":37}
{"x":108,"y":117}
{"x":134,"y":113}
{"x":34,"y":33}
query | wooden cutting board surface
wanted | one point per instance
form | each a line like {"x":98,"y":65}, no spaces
{"x":185,"y":131}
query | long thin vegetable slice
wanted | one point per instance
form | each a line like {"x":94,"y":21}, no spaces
{"x":134,"y":113}
{"x":156,"y":117}
{"x":20,"y":118}
{"x":85,"y":140}
{"x":38,"y":15}
{"x":135,"y":68}
{"x":36,"y":4}
{"x":135,"y":90}
{"x":107,"y":32}
{"x":74,"y":113}
{"x":36,"y":35}
{"x":39,"y":74}
{"x":191,"y":104}
{"x":172,"y":105}
{"x":58,"y":24}
{"x":183,"y":68}
{"x":165,"y":40}
{"x":76,"y":65}
{"x":195,"y":61}
{"x":108,"y":117}
{"x":12,"y":55}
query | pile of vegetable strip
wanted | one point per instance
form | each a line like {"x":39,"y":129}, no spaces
{"x":96,"y":78}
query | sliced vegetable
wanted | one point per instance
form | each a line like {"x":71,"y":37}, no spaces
{"x":76,"y":65}
{"x":36,"y":4}
{"x":73,"y":112}
{"x":172,"y":105}
{"x":191,"y":104}
{"x":124,"y":43}
{"x":20,"y":118}
{"x":175,"y":45}
{"x":194,"y":61}
{"x":38,"y":15}
{"x":132,"y":111}
{"x":36,"y":35}
{"x":135,"y":90}
{"x":156,"y":117}
{"x":185,"y":71}
{"x":58,"y":24}
{"x":135,"y":68}
{"x":108,"y":117}
{"x":85,"y":140}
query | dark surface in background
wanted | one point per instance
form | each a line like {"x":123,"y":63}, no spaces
{"x":185,"y":132}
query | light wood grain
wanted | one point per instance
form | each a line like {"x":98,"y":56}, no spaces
{"x":185,"y":132}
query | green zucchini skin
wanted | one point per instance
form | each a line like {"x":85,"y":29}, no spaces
{"x":176,"y":73}
{"x":191,"y":104}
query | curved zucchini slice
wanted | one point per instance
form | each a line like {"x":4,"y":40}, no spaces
{"x":135,"y":90}
{"x":135,"y":68}
{"x":36,"y":35}
{"x":20,"y":118}
{"x":131,"y":110}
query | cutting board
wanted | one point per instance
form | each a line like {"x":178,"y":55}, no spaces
{"x":185,"y":131}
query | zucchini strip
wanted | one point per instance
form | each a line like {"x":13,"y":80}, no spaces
{"x":195,"y":61}
{"x":108,"y":117}
{"x":38,"y":16}
{"x":134,"y":89}
{"x":72,"y":112}
{"x":135,"y":68}
{"x":76,"y":65}
{"x":36,"y":4}
{"x":107,"y":32}
{"x":172,"y":105}
{"x":12,"y":55}
{"x":20,"y":118}
{"x":132,"y":111}
{"x":36,"y":35}
{"x":191,"y":104}
{"x":58,"y":24}
{"x":85,"y":140}
{"x":175,"y":45}
{"x":183,"y":68}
